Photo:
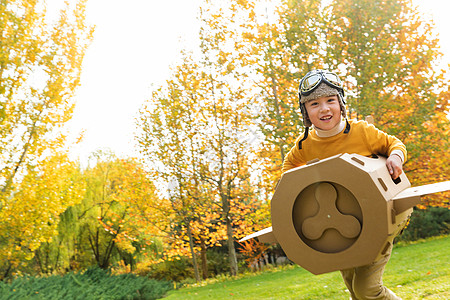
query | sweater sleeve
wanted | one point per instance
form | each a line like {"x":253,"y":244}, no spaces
{"x":384,"y":144}
{"x":293,"y":159}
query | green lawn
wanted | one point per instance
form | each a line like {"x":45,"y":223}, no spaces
{"x":417,"y":271}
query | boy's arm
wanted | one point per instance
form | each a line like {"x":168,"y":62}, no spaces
{"x":384,"y":144}
{"x":397,"y":156}
{"x":292,"y":160}
{"x":392,"y":147}
{"x":394,"y":163}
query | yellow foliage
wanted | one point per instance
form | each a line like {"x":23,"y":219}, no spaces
{"x":31,"y":215}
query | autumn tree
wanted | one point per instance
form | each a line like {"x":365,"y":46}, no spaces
{"x":230,"y":139}
{"x":31,"y":217}
{"x":176,"y":130}
{"x":388,"y":53}
{"x":113,"y":221}
{"x":385,"y":51}
{"x":140,"y":228}
{"x":40,"y":66}
{"x":285,"y":42}
{"x":170,"y":140}
{"x":53,"y":253}
{"x":196,"y":136}
{"x":103,"y":216}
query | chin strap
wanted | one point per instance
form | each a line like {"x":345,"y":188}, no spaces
{"x":347,"y":126}
{"x":305,"y":135}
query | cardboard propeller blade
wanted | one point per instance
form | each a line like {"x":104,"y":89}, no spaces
{"x":265,"y":236}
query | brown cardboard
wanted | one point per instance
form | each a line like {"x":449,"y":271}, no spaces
{"x":340,"y":212}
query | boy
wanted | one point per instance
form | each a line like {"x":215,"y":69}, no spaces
{"x":322,"y":104}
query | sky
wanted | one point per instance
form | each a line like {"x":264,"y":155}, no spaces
{"x":135,"y":43}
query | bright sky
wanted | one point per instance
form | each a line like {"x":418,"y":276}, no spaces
{"x":135,"y":43}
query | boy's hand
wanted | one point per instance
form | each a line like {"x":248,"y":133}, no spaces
{"x":395,"y":165}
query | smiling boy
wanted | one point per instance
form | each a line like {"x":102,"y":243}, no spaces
{"x":323,"y":108}
{"x":321,"y":97}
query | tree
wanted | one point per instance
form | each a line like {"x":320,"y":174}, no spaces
{"x":388,"y":53}
{"x":285,"y":42}
{"x":115,"y":220}
{"x":229,"y":137}
{"x":170,"y":140}
{"x":140,"y":225}
{"x":40,"y":68}
{"x":193,"y":137}
{"x":103,"y":212}
{"x":31,"y":216}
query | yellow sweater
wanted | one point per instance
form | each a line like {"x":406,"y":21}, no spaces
{"x":363,"y":139}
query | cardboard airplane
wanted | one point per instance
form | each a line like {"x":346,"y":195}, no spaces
{"x":340,"y":212}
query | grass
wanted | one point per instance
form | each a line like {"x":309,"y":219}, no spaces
{"x":420,"y":270}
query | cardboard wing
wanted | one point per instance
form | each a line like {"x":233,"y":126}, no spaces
{"x":411,"y":196}
{"x":265,"y":236}
{"x":340,"y":212}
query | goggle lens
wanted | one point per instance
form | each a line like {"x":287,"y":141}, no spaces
{"x":332,"y":78}
{"x":311,"y":82}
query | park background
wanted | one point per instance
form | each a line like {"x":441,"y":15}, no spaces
{"x":146,"y":151}
{"x":151,"y":34}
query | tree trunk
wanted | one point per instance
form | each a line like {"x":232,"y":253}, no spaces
{"x":231,"y":249}
{"x":277,"y":109}
{"x":203,"y":259}
{"x":38,"y":260}
{"x":6,"y":274}
{"x":21,"y":160}
{"x":191,"y":246}
{"x":230,"y":239}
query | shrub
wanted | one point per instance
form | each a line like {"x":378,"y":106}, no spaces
{"x":425,"y":223}
{"x":93,"y":284}
{"x":218,"y":262}
{"x":176,"y":270}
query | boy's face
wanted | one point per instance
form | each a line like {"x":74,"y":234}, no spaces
{"x":324,"y":112}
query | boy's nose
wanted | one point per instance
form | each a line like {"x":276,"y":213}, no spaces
{"x":324,"y":107}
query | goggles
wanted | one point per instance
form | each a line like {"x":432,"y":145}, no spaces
{"x":314,"y":78}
